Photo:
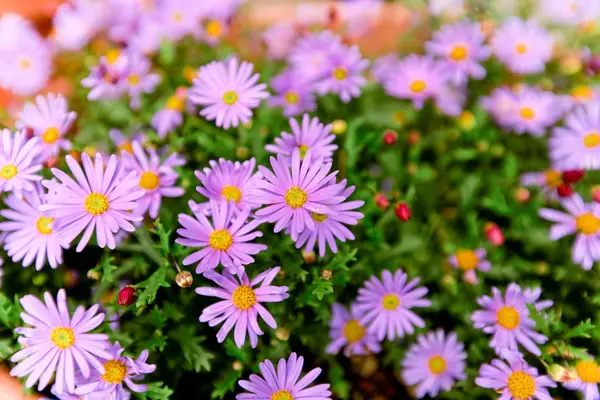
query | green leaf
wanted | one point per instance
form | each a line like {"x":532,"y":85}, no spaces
{"x":166,"y":54}
{"x":196,"y":357}
{"x":322,"y":288}
{"x":156,"y":391}
{"x":6,"y":348}
{"x":165,"y":243}
{"x":225,"y":385}
{"x":150,"y":286}
{"x":10,"y":312}
{"x":582,"y":330}
{"x":107,"y":269}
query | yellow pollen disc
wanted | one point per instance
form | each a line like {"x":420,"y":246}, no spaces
{"x":390,"y":301}
{"x":282,"y":395}
{"x":553,"y":178}
{"x":587,"y":223}
{"x":459,"y":53}
{"x":24,"y":63}
{"x":318,"y":217}
{"x":418,"y":86}
{"x":63,"y":338}
{"x":230,"y":97}
{"x":437,"y":365}
{"x":112,"y":55}
{"x":8,"y":171}
{"x":340,"y":73}
{"x":133,"y":79}
{"x":43,"y":225}
{"x":177,"y":16}
{"x":582,"y":93}
{"x":521,"y":48}
{"x":175,"y":103}
{"x":591,"y":140}
{"x":303,"y":149}
{"x":50,"y":135}
{"x":96,"y":203}
{"x":292,"y":97}
{"x":354,"y":331}
{"x":214,"y":29}
{"x":243,"y":297}
{"x":149,"y":180}
{"x":126,"y":146}
{"x":527,"y":113}
{"x":190,"y":73}
{"x":114,"y":372}
{"x":508,"y":318}
{"x":588,"y":26}
{"x":521,"y":385}
{"x":466,"y":259}
{"x":220,"y":240}
{"x":231,"y":193}
{"x":588,"y":371}
{"x":295,"y":197}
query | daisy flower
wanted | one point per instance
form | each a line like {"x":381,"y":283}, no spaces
{"x":56,"y":342}
{"x":523,"y":46}
{"x":170,"y":117}
{"x":50,"y":120}
{"x":179,"y":18}
{"x":214,"y":29}
{"x":139,"y":79}
{"x":124,"y":143}
{"x":118,"y":369}
{"x":74,"y":25}
{"x":386,"y":305}
{"x":99,"y":199}
{"x":156,"y":179}
{"x":310,"y":54}
{"x":507,"y":318}
{"x":383,"y":67}
{"x":514,"y":379}
{"x":30,"y":235}
{"x":106,"y":80}
{"x":501,"y":104}
{"x":147,"y":37}
{"x":451,"y":99}
{"x":346,"y":331}
{"x":241,"y":304}
{"x":292,"y":92}
{"x":586,"y":380}
{"x":225,"y":241}
{"x":228,"y":91}
{"x":311,"y":135}
{"x":279,"y":39}
{"x":582,"y":219}
{"x":282,"y":383}
{"x":535,"y":110}
{"x":548,"y":181}
{"x":18,"y":162}
{"x":434,"y":363}
{"x":469,"y":261}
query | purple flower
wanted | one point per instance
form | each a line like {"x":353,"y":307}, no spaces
{"x":507,"y":318}
{"x":469,"y":261}
{"x":282,"y":383}
{"x":293,"y":93}
{"x":451,"y":99}
{"x":50,"y":120}
{"x":417,"y":78}
{"x":386,"y":305}
{"x":515,"y":379}
{"x":99,"y":199}
{"x":30,"y":236}
{"x":241,"y":304}
{"x":167,"y":119}
{"x":383,"y":68}
{"x":123,"y":143}
{"x":501,"y":104}
{"x":74,"y":25}
{"x":434,"y":363}
{"x":582,"y":219}
{"x":568,"y":12}
{"x":279,"y":39}
{"x":139,"y":79}
{"x":548,"y":180}
{"x":225,"y":241}
{"x":311,"y":52}
{"x":57,"y":342}
{"x":228,"y":91}
{"x":179,"y":18}
{"x":118,"y":369}
{"x":345,"y":330}
{"x":147,"y":37}
{"x":523,"y":46}
{"x":106,"y":78}
{"x":215,"y":28}
{"x":462,"y":46}
{"x":344,"y":73}
{"x":535,"y":110}
{"x":156,"y":179}
{"x":587,"y":379}
{"x":18,"y":162}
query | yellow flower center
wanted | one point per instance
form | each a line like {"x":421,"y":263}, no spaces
{"x":582,"y":93}
{"x":437,"y":365}
{"x":149,"y":180}
{"x":354,"y":331}
{"x":8,"y":171}
{"x":588,"y":371}
{"x":214,"y":28}
{"x":418,"y":86}
{"x":390,"y":301}
{"x":190,"y":73}
{"x":521,"y":48}
{"x":63,"y":338}
{"x":220,"y":240}
{"x":459,"y":53}
{"x":126,"y":146}
{"x":230,"y":97}
{"x":521,"y":385}
{"x":133,"y":79}
{"x":587,"y":223}
{"x":591,"y":140}
{"x":177,"y":16}
{"x":282,"y":395}
{"x":114,"y":372}
{"x":24,"y":63}
{"x":588,"y":26}
{"x":175,"y":103}
{"x":466,"y":259}
{"x":96,"y":203}
{"x":295,"y":197}
{"x":318,"y":217}
{"x":340,"y":73}
{"x":50,"y":135}
{"x":112,"y":55}
{"x":303,"y":149}
{"x":43,"y":225}
{"x":292,"y":97}
{"x":527,"y":113}
{"x":553,"y":178}
{"x":231,"y":193}
{"x":508,"y":318}
{"x":243,"y":297}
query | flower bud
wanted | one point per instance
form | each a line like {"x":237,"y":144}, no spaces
{"x":309,"y":258}
{"x":326,"y":274}
{"x":339,"y":126}
{"x":596,"y":194}
{"x":51,"y":162}
{"x":565,"y":190}
{"x":190,"y":73}
{"x":126,"y":296}
{"x":494,"y":234}
{"x":413,"y":137}
{"x":184,"y":279}
{"x":237,"y":365}
{"x":390,"y":137}
{"x":573,"y":176}
{"x":93,"y":275}
{"x":402,"y":211}
{"x":28,"y":132}
{"x":381,"y":201}
{"x":242,"y":152}
{"x":522,"y":195}
{"x":562,"y":374}
{"x":467,"y":121}
{"x":282,"y":334}
{"x":593,"y":64}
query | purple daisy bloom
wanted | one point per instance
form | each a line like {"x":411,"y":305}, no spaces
{"x":156,"y":179}
{"x":434,"y":364}
{"x":383,"y":68}
{"x":417,"y":78}
{"x":18,"y":162}
{"x":179,"y":18}
{"x":587,"y":377}
{"x":523,"y":46}
{"x":106,"y":78}
{"x":310,"y":54}
{"x":214,"y":29}
{"x":56,"y":342}
{"x":139,"y":79}
{"x":386,"y":305}
{"x":99,"y":199}
{"x":582,"y":219}
{"x":118,"y":369}
{"x":241,"y":304}
{"x":345,"y":330}
{"x":293,"y":93}
{"x":50,"y":120}
{"x":515,"y":379}
{"x":170,"y":117}
{"x":279,"y":39}
{"x":147,"y":37}
{"x":124,"y":143}
{"x":507,"y":318}
{"x":450,"y":99}
{"x":469,"y":261}
{"x":228,"y":91}
{"x":74,"y":25}
{"x":230,"y":181}
{"x":30,"y":236}
{"x":282,"y":383}
{"x":309,"y":188}
{"x":501,"y":104}
{"x":225,"y":241}
{"x":462,"y":46}
{"x":548,"y":181}
{"x":535,"y":110}
{"x":312,"y":135}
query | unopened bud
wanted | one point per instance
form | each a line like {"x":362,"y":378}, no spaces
{"x":573,"y":176}
{"x":522,"y":195}
{"x":326,"y":274}
{"x":494,"y":234}
{"x":126,"y":296}
{"x":483,"y":146}
{"x":467,"y":121}
{"x":75,"y":154}
{"x":190,"y":73}
{"x":181,"y":92}
{"x":565,"y":190}
{"x":593,"y":64}
{"x":282,"y":334}
{"x":237,"y":365}
{"x":28,"y":132}
{"x":402,"y":211}
{"x":70,"y":278}
{"x":93,"y":275}
{"x":390,"y":137}
{"x":562,"y":374}
{"x":339,"y":126}
{"x":184,"y":279}
{"x":242,"y":152}
{"x":309,"y":258}
{"x":381,"y":201}
{"x":413,"y":137}
{"x":596,"y":194}
{"x":51,"y":162}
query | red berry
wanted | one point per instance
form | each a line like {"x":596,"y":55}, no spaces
{"x":390,"y":137}
{"x":565,"y":190}
{"x":127,"y":296}
{"x":381,"y":201}
{"x":494,"y":234}
{"x":573,"y":176}
{"x":402,"y":211}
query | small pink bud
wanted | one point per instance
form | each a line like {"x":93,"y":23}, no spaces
{"x":494,"y":234}
{"x":402,"y":211}
{"x":127,"y":296}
